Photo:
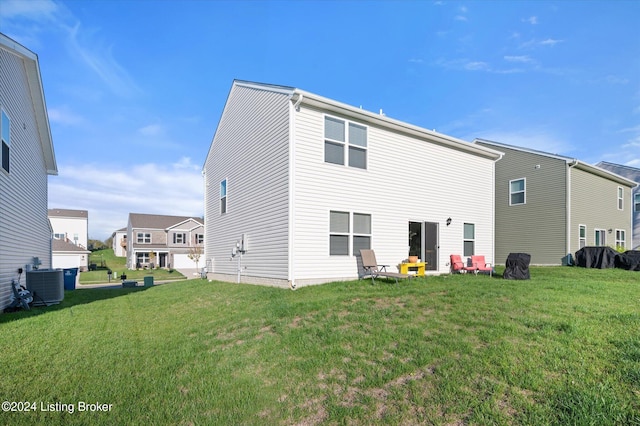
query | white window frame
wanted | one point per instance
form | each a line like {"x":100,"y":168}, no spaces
{"x":142,"y":257}
{"x":603,"y":240}
{"x":469,"y":240}
{"x":5,"y":141}
{"x":340,"y":233}
{"x":636,"y":202}
{"x":582,"y":241}
{"x":60,"y":236}
{"x":620,"y":198}
{"x":224,"y":184}
{"x":350,"y":232}
{"x":199,"y":238}
{"x":523,"y":192}
{"x":182,"y":238}
{"x":346,"y":144}
{"x":143,"y":237}
{"x":360,"y":234}
{"x":621,"y":238}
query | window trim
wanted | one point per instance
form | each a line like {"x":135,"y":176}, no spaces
{"x":224,"y":197}
{"x":603,"y":233}
{"x":620,"y":198}
{"x":5,"y":142}
{"x":580,"y":238}
{"x":340,"y":233}
{"x":472,"y":240}
{"x":355,"y":234}
{"x":636,"y":202}
{"x":623,"y":241}
{"x":524,"y":192}
{"x":351,"y":234}
{"x":183,"y":238}
{"x":143,"y":240}
{"x":346,"y":145}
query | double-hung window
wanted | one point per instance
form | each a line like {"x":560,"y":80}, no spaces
{"x":600,"y":237}
{"x":345,"y":143}
{"x":469,"y":239}
{"x":179,"y":238}
{"x":143,"y":238}
{"x":345,"y":227}
{"x":5,"y":138}
{"x":199,"y":238}
{"x":223,"y":197}
{"x":620,"y":198}
{"x":582,"y":238}
{"x":621,"y":238}
{"x":636,"y":202}
{"x":517,"y":192}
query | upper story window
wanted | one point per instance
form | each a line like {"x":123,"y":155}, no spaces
{"x":620,"y":198}
{"x":179,"y":238}
{"x":345,"y":143}
{"x":636,"y":202}
{"x":517,"y":192}
{"x":199,"y":238}
{"x":223,"y":197}
{"x":144,"y":237}
{"x":59,"y":236}
{"x":6,"y":141}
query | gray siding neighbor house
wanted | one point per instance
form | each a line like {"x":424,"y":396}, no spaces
{"x":550,"y":205}
{"x":26,"y":160}
{"x":633,"y":174}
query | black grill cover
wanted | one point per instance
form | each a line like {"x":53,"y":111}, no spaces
{"x":517,"y":267}
{"x":596,"y":257}
{"x":629,"y":260}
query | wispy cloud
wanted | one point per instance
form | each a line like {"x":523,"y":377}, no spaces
{"x":550,"y":42}
{"x":111,"y":196}
{"x":474,"y":66}
{"x":152,"y":130}
{"x":533,"y":20}
{"x":63,"y":115}
{"x":519,"y":59}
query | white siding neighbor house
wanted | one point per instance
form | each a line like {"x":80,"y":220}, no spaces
{"x":71,"y":226}
{"x":296,"y":184}
{"x":119,"y":242}
{"x":26,"y":160}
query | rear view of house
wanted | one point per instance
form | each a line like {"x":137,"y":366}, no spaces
{"x":26,"y":160}
{"x":296,"y":184}
{"x":550,"y":206}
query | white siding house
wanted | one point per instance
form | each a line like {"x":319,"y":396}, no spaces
{"x":119,"y":242}
{"x":71,"y":226}
{"x":308,"y":181}
{"x":26,"y":160}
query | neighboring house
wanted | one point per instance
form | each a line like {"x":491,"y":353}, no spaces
{"x":27,"y":159}
{"x":163,"y":241}
{"x":119,"y":242}
{"x":71,"y":226}
{"x":303,"y":182}
{"x":633,"y":174}
{"x":68,"y":255}
{"x":550,"y":206}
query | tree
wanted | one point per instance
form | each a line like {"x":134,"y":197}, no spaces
{"x":194,"y":254}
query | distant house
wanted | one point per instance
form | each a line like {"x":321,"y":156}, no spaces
{"x":633,"y":174}
{"x":119,"y":242}
{"x":550,"y":205}
{"x":69,"y":255}
{"x":27,"y":158}
{"x":302,"y":183}
{"x":71,"y":226}
{"x":163,"y":241}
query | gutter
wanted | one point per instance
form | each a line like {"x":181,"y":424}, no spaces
{"x":571,"y":164}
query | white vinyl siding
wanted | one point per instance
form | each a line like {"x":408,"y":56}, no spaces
{"x":387,"y":195}
{"x":254,"y":122}
{"x":24,"y":228}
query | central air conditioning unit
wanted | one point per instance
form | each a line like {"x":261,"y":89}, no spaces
{"x":46,"y":286}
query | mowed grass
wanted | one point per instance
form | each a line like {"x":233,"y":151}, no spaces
{"x":562,"y":348}
{"x":106,"y":260}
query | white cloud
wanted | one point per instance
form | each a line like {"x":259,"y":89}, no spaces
{"x":34,"y":9}
{"x":461,"y":18}
{"x":151,"y":130}
{"x":533,"y":20}
{"x":110,"y":196}
{"x":63,"y":115}
{"x":519,"y":59}
{"x":550,"y":42}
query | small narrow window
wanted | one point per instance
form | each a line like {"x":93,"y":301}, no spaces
{"x":339,"y":233}
{"x":199,"y":238}
{"x":6,"y":141}
{"x":469,"y":239}
{"x":600,"y":237}
{"x":636,"y":202}
{"x":583,"y":236}
{"x":361,"y":232}
{"x":517,"y":192}
{"x":223,"y":196}
{"x":620,"y":198}
{"x":621,"y":239}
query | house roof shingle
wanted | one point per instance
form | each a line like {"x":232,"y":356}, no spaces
{"x":68,"y":213}
{"x":154,"y":221}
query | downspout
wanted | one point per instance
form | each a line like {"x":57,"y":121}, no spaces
{"x":571,"y":165}
{"x":493,"y":207}
{"x":292,"y":192}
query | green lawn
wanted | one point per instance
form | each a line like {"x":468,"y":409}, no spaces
{"x":106,"y":260}
{"x":562,"y":348}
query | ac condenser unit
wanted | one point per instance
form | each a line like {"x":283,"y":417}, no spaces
{"x":46,"y":286}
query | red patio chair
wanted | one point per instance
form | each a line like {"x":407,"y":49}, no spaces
{"x":458,"y":266}
{"x":480,"y":265}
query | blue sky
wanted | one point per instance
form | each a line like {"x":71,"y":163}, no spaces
{"x":135,"y":89}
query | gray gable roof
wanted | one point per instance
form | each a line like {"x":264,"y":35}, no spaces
{"x":626,"y":171}
{"x":68,"y":213}
{"x":155,"y":221}
{"x":62,"y":245}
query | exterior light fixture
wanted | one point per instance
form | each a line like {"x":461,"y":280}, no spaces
{"x":448,"y":221}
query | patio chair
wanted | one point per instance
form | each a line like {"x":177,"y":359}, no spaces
{"x":480,"y":265}
{"x":458,"y":266}
{"x":372,"y":268}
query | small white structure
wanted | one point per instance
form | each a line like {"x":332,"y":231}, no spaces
{"x":27,"y":159}
{"x":68,"y":255}
{"x":309,"y":181}
{"x":71,"y":226}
